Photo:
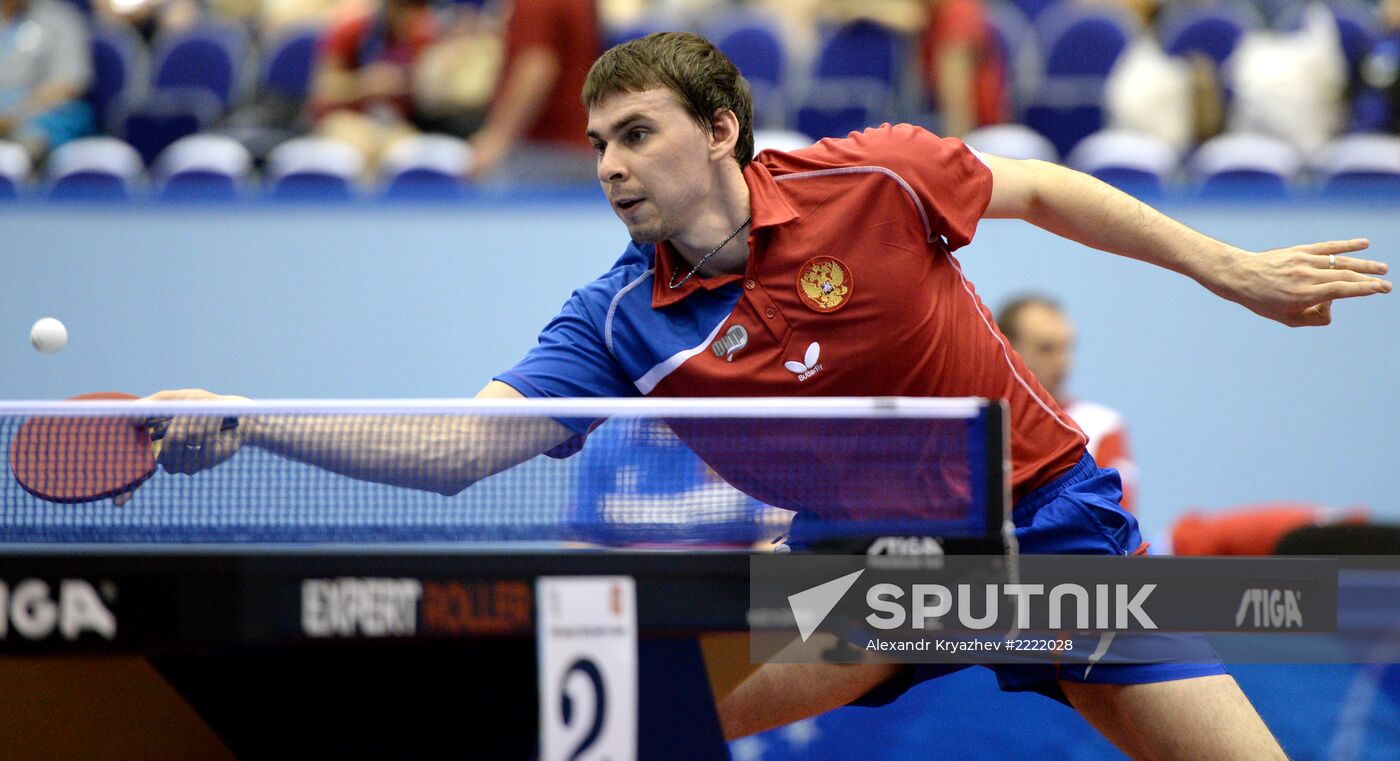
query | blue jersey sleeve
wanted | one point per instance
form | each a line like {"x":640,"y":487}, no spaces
{"x":572,"y":358}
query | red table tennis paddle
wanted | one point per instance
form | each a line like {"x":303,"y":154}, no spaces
{"x":85,"y":459}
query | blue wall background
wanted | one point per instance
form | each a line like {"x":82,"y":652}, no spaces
{"x":382,"y":301}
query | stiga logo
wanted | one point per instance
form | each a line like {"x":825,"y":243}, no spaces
{"x":1271,"y":609}
{"x":905,"y":545}
{"x":33,"y":612}
{"x":360,"y":607}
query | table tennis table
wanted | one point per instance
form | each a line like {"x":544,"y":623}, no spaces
{"x":189,"y":605}
{"x":455,"y":668}
{"x":221,"y":582}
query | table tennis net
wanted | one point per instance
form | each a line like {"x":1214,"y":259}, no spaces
{"x":627,"y":472}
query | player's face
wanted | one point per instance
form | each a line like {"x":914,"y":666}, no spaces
{"x":1045,"y":340}
{"x":653,"y":162}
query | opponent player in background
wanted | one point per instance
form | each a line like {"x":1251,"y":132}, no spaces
{"x":1041,"y":333}
{"x":835,"y":259}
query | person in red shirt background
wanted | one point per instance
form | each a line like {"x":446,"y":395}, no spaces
{"x":1041,"y":332}
{"x":964,"y":74}
{"x":534,"y":129}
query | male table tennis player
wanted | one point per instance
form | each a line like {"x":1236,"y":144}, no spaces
{"x":845,"y":246}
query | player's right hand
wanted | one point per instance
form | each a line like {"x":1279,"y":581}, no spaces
{"x":1296,"y":286}
{"x":195,"y":443}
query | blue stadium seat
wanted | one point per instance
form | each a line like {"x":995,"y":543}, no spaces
{"x":207,"y":56}
{"x":201,"y":186}
{"x":312,"y":186}
{"x":1363,"y":185}
{"x":313,"y":169}
{"x":164,"y":117}
{"x":1065,"y":125}
{"x":1081,"y":45}
{"x":289,"y":62}
{"x":203,"y":168}
{"x":1084,"y":41}
{"x":1012,"y":141}
{"x":1138,"y":164}
{"x":117,"y":56}
{"x":1213,"y":31}
{"x":821,"y":121}
{"x":861,"y":50}
{"x":14,"y":170}
{"x":1245,"y":166}
{"x":637,"y":28}
{"x":1366,"y":165}
{"x":89,"y":186}
{"x":784,"y":140}
{"x":94,"y":168}
{"x":1014,"y":42}
{"x":422,"y":184}
{"x":426,"y":167}
{"x":854,"y":82}
{"x":755,"y":46}
{"x":1033,"y":8}
{"x":1237,"y":184}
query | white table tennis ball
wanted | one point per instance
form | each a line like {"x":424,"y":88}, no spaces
{"x":48,"y":335}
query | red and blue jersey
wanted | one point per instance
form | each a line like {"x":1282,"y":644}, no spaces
{"x":851,"y":289}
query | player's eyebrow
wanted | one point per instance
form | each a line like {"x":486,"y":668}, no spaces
{"x":620,"y":124}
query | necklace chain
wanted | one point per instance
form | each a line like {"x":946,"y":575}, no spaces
{"x":706,"y":257}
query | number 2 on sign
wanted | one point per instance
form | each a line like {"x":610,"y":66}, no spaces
{"x":587,"y":675}
{"x":586,"y":668}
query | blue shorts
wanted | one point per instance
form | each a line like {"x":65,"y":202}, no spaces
{"x":1076,"y":514}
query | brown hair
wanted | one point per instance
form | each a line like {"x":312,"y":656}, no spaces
{"x":703,"y":78}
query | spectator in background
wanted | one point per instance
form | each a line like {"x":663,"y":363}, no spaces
{"x":1175,"y":99}
{"x":1040,"y":331}
{"x":1290,"y":84}
{"x":362,"y":92}
{"x":45,"y":67}
{"x":964,"y":74}
{"x":457,"y":74}
{"x":535,"y":126}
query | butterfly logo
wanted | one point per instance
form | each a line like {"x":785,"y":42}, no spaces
{"x":810,"y":364}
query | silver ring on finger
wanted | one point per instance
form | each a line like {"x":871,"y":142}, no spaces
{"x":194,"y":448}
{"x":1331,"y":261}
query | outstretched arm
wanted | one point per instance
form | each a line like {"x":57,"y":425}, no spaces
{"x":438,"y":453}
{"x":1294,"y":285}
